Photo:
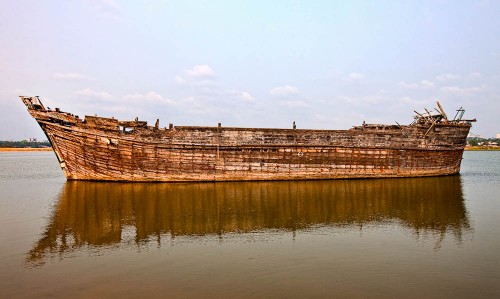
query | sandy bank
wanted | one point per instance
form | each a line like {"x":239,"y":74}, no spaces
{"x":482,"y":148}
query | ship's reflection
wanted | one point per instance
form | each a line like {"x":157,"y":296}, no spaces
{"x":99,"y":215}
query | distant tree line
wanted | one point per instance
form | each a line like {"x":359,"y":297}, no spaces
{"x":475,"y":141}
{"x":24,"y":143}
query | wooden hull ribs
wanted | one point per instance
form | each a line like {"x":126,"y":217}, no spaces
{"x":106,"y":149}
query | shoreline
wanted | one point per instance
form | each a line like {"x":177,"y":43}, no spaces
{"x":25,"y":149}
{"x":482,"y":148}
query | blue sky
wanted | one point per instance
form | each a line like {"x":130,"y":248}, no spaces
{"x":323,"y":64}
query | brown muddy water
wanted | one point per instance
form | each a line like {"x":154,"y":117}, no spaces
{"x":396,"y":238}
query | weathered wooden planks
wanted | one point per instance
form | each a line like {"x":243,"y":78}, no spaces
{"x":107,"y":149}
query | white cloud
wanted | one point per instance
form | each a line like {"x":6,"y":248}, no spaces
{"x":200,"y":71}
{"x":206,"y":98}
{"x":246,"y":97}
{"x":179,"y":80}
{"x":295,"y":104}
{"x":426,"y":84}
{"x":284,"y":90}
{"x":355,"y":76}
{"x":94,"y":94}
{"x":406,"y":99}
{"x":70,"y":76}
{"x":421,"y":85}
{"x":408,"y":85}
{"x":198,"y":105}
{"x":463,"y":91}
{"x":447,"y":77}
{"x":150,"y":97}
{"x":413,"y":102}
{"x":240,"y":95}
{"x":109,"y":8}
{"x":475,"y":75}
{"x":363,"y":100}
{"x":147,"y":106}
{"x":197,"y":76}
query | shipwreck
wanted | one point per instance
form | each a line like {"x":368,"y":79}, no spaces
{"x":107,"y":149}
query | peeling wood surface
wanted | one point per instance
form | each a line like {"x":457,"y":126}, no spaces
{"x":98,"y":148}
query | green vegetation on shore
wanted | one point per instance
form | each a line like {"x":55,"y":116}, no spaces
{"x":478,"y":141}
{"x":24,"y":144}
{"x":482,"y":144}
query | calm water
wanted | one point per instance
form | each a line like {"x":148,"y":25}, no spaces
{"x":423,"y":237}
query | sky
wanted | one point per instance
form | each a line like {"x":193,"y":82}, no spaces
{"x":323,"y":64}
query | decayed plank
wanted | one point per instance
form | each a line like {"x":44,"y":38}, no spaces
{"x":97,"y":148}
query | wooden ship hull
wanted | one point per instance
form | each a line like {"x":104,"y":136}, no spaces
{"x":106,"y":149}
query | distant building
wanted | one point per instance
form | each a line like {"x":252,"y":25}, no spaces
{"x":497,"y":136}
{"x":471,"y":135}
